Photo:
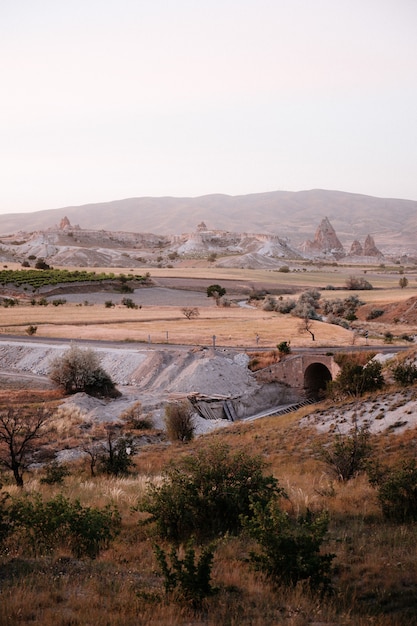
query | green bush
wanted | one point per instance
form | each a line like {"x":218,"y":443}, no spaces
{"x":355,"y":379}
{"x":79,"y":370}
{"x":44,"y":526}
{"x":128,"y":303}
{"x":185,"y":579}
{"x":117,"y":459}
{"x":205,"y":494}
{"x":375,"y":313}
{"x":289,"y":547}
{"x":284,"y":348}
{"x":405,"y":374}
{"x":397,"y":490}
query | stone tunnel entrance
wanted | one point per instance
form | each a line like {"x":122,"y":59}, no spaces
{"x":316,"y":377}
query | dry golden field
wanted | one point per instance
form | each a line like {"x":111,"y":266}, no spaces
{"x":238,"y":326}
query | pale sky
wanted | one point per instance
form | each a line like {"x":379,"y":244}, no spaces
{"x":109,"y":99}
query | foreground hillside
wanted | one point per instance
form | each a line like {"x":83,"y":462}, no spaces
{"x":374,"y":576}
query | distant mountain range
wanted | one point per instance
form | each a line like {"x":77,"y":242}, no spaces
{"x":392,"y":222}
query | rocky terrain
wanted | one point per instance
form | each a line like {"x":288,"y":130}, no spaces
{"x":292,"y":215}
{"x":71,"y":245}
{"x":155,"y":376}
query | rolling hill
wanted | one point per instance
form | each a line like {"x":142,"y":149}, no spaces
{"x":393,"y":222}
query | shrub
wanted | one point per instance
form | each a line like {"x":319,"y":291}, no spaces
{"x":307,"y":304}
{"x":43,"y":526}
{"x":348,"y":454}
{"x":128,"y":302}
{"x":179,"y":421}
{"x":284,"y":348}
{"x":397,"y":490}
{"x":285,"y":306}
{"x":134,"y":417}
{"x":388,"y":337}
{"x":374,"y":313}
{"x":42,"y":265}
{"x":116,"y":460}
{"x":205,"y":494}
{"x":31,"y":330}
{"x":187,"y":580}
{"x":355,"y":283}
{"x":59,"y":301}
{"x":405,"y":374}
{"x":355,"y":379}
{"x":109,"y":304}
{"x":79,"y":370}
{"x":289,"y":546}
{"x":284,"y":268}
{"x":55,"y":474}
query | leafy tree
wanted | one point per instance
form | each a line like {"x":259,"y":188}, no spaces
{"x":289,"y":547}
{"x":20,"y":432}
{"x":206,"y":494}
{"x":79,"y":370}
{"x":216,"y":292}
{"x":403,"y":282}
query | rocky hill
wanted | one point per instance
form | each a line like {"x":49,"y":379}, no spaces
{"x":68,"y":245}
{"x":292,"y":215}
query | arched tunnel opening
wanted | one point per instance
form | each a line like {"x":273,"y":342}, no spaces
{"x":316,"y":377}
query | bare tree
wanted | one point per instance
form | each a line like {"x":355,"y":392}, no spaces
{"x":305,"y":326}
{"x":94,"y":450}
{"x":190,"y":312}
{"x":19,"y":431}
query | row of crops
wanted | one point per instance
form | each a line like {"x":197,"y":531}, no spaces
{"x":39,"y":278}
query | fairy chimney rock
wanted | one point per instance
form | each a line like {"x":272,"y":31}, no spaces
{"x":64,"y":223}
{"x":356,"y":248}
{"x":369,"y":247}
{"x":325,"y":241}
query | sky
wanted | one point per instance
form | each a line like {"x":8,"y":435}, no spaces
{"x":109,"y":99}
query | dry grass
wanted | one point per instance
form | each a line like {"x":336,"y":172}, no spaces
{"x":231,"y":326}
{"x":376,"y":574}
